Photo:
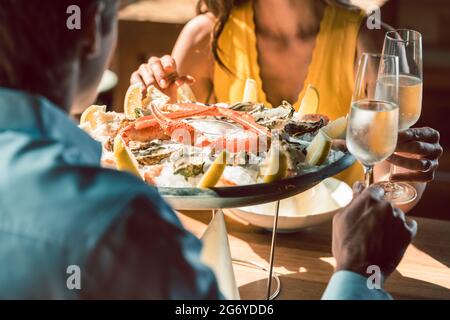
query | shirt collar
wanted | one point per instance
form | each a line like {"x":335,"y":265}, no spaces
{"x":37,"y":116}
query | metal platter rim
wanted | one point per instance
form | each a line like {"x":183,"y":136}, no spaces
{"x":278,"y":186}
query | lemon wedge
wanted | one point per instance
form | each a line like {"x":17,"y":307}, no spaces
{"x":250,"y":91}
{"x":214,"y":173}
{"x":310,"y":102}
{"x":133,"y":100}
{"x":185,"y":94}
{"x":277,"y":165}
{"x":88,"y":118}
{"x":318,"y":150}
{"x":124,"y":160}
{"x":336,"y":129}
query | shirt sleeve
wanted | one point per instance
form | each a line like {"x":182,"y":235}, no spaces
{"x":149,"y":255}
{"x":346,"y":285}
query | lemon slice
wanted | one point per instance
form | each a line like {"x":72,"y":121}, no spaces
{"x":250,"y":92}
{"x":336,"y":129}
{"x":276,"y":167}
{"x":133,"y":100}
{"x":318,"y":150}
{"x":310,"y":102}
{"x":88,"y":118}
{"x":124,"y":160}
{"x":185,"y":94}
{"x":214,"y":173}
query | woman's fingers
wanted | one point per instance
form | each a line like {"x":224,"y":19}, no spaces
{"x":423,"y":146}
{"x":186,"y":79}
{"x":161,"y":73}
{"x":146,"y":75}
{"x":169,"y":64}
{"x":419,"y":134}
{"x":414,"y":176}
{"x":136,"y":78}
{"x":158,"y":72}
{"x":424,"y":149}
{"x":423,"y":165}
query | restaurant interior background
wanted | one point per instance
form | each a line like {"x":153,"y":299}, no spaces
{"x":151,"y":27}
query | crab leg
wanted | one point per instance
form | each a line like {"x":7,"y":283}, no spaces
{"x":164,"y":126}
{"x":180,"y":131}
{"x":186,"y":113}
{"x":245,"y":120}
{"x":242,"y":118}
{"x":160,"y":126}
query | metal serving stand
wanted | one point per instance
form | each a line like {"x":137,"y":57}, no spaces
{"x":189,"y":199}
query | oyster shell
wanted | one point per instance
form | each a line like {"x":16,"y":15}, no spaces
{"x":306,"y":127}
{"x":188,"y":170}
{"x":247,"y":107}
{"x":273,"y":118}
{"x":152,"y":153}
{"x":188,"y":163}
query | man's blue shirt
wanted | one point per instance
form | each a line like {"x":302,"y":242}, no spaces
{"x":59,"y":208}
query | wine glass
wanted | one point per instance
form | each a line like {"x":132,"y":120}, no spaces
{"x":373,"y":123}
{"x":407,"y":46}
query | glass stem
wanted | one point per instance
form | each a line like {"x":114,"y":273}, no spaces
{"x":392,"y":171}
{"x":368,"y":175}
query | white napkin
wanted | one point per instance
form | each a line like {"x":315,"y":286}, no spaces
{"x":216,"y":254}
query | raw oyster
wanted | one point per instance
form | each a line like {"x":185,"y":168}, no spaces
{"x":270,"y":118}
{"x":304,"y":128}
{"x":188,"y":163}
{"x":153,"y":153}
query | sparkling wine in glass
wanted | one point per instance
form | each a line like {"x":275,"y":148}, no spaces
{"x":374,"y":116}
{"x":409,"y":98}
{"x":407,"y":46}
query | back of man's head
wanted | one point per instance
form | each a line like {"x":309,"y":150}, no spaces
{"x":38,"y":39}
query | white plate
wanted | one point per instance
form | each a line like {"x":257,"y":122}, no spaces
{"x":313,"y":207}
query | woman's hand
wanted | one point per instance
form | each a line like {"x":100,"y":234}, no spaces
{"x":420,"y":151}
{"x":161,"y":73}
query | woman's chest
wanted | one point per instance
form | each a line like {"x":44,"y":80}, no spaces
{"x":284,"y":68}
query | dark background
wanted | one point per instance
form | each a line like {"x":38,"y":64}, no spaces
{"x":432,"y":19}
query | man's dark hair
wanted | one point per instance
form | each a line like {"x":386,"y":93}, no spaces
{"x":35,"y":42}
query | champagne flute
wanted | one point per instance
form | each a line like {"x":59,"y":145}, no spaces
{"x":372,"y":129}
{"x":407,"y":46}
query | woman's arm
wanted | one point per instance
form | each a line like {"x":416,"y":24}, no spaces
{"x":193,"y":55}
{"x":191,"y":62}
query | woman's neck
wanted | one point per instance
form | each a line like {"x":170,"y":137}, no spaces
{"x":288,"y":19}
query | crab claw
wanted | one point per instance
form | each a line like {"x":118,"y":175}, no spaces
{"x":178,"y":131}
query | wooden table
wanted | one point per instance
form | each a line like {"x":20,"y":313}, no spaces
{"x":305,"y":263}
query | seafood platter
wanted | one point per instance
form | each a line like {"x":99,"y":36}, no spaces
{"x":219,"y":156}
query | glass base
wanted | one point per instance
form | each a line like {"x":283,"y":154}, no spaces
{"x":398,"y":193}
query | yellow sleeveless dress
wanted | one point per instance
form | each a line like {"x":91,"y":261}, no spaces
{"x":331,"y":70}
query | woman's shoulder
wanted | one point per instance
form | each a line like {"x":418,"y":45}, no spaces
{"x":195,"y":38}
{"x":199,"y":29}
